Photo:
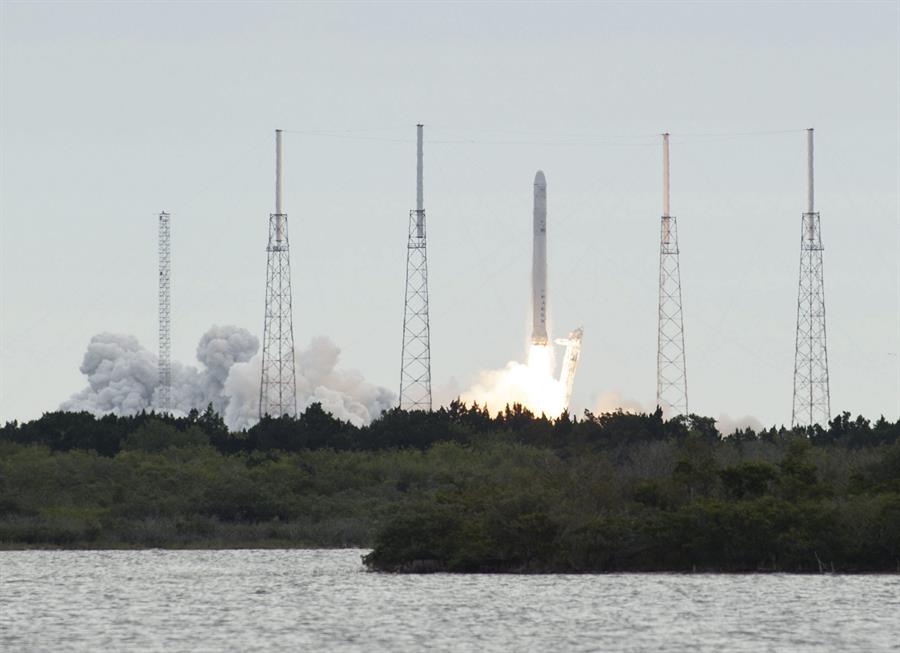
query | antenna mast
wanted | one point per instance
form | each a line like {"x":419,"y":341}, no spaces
{"x":278,"y":385}
{"x":812,"y":397}
{"x":671,"y":372}
{"x":415,"y":364}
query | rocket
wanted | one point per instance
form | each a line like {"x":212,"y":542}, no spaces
{"x":539,"y":263}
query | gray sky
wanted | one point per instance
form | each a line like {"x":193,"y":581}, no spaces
{"x":113,"y":112}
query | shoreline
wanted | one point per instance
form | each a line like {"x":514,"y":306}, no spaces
{"x":431,"y":570}
{"x":432,"y":567}
{"x":210,"y":545}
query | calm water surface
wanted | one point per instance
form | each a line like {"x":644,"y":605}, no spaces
{"x":323,"y":601}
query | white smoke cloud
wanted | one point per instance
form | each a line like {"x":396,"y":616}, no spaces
{"x":609,"y":402}
{"x":728,"y":425}
{"x":122,"y":376}
{"x":343,"y":393}
{"x":218,"y":350}
{"x":123,"y":379}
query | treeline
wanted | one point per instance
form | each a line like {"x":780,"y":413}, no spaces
{"x":399,"y":429}
{"x":461,"y":490}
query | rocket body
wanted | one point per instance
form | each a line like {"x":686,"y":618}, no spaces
{"x":539,"y":263}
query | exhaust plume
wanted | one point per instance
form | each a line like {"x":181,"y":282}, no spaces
{"x":533,"y":386}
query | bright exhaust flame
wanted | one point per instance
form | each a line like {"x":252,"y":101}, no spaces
{"x":532,"y":385}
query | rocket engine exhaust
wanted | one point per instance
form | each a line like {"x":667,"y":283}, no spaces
{"x":539,"y":263}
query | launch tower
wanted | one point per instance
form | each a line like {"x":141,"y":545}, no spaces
{"x":671,"y":373}
{"x":277,"y":390}
{"x":415,"y":366}
{"x":812,"y":398}
{"x":164,"y":396}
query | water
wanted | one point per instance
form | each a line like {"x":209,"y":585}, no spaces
{"x":324,"y":601}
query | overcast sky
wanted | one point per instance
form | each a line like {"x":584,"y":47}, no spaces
{"x":112,"y":112}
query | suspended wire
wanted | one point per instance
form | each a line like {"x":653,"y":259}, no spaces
{"x":765,"y":132}
{"x":566,"y":139}
{"x":349,"y":135}
{"x":700,"y":137}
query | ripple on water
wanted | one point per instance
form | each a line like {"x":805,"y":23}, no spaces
{"x":323,"y":600}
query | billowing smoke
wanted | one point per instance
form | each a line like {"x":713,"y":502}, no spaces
{"x":218,"y":351}
{"x":123,"y":379}
{"x":345,"y":394}
{"x":122,"y":376}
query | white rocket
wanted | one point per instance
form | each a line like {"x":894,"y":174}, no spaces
{"x":539,"y":263}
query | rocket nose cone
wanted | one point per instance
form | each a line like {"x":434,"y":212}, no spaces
{"x":539,"y":179}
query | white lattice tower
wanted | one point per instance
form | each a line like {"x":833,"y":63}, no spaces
{"x":671,"y":371}
{"x":278,"y":383}
{"x":812,"y":397}
{"x":415,"y":366}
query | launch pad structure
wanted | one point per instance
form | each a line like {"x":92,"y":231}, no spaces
{"x":164,"y":396}
{"x":278,"y":383}
{"x":811,"y":390}
{"x":415,"y":355}
{"x":671,"y":371}
{"x":812,"y":396}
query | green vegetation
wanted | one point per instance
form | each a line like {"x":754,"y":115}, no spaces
{"x":459,"y":490}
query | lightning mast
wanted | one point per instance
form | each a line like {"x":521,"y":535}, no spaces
{"x":812,"y":398}
{"x":415,"y":365}
{"x":277,"y":390}
{"x":671,"y":372}
{"x":164,"y":396}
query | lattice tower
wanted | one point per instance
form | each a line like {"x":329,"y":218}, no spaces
{"x":415,"y":367}
{"x":671,"y":371}
{"x":812,"y":397}
{"x":278,"y":385}
{"x":164,"y":395}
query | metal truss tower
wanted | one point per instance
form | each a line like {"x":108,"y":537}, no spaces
{"x":164,"y":395}
{"x":415,"y":366}
{"x":671,"y":372}
{"x":278,"y":385}
{"x":812,"y":398}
